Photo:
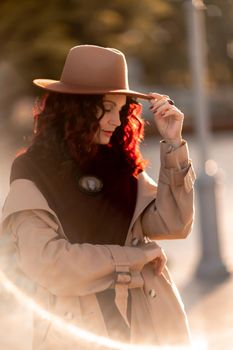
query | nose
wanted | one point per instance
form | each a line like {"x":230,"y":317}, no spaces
{"x":115,"y":119}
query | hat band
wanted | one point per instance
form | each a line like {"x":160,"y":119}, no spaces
{"x":94,"y":86}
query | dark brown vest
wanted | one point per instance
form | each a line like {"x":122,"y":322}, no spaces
{"x":102,"y":218}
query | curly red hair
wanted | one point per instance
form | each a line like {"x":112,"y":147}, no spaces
{"x":68,"y":122}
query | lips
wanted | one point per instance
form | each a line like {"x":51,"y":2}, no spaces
{"x":107,"y":133}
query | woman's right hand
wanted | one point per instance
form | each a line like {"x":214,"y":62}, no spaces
{"x":155,"y":256}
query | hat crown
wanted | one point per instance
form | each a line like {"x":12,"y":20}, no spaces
{"x":91,"y":66}
{"x":91,"y":69}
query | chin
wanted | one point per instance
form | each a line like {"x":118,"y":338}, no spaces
{"x":104,"y":140}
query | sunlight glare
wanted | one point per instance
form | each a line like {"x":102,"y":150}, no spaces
{"x":81,"y":333}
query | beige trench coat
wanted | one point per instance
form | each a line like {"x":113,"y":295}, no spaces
{"x":67,"y":276}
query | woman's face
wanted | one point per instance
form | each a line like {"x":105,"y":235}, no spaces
{"x":111,"y":118}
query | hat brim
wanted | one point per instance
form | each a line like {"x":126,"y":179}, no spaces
{"x":58,"y":86}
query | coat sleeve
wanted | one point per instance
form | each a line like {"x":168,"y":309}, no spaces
{"x":69,"y":269}
{"x":170,"y":215}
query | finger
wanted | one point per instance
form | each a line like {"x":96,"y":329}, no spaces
{"x":173,"y":112}
{"x":159,"y":264}
{"x":165,"y":108}
{"x":155,"y":95}
{"x":157,"y":101}
{"x":161,"y":107}
{"x":158,"y":96}
{"x":156,"y":104}
{"x":165,"y":111}
{"x":162,"y":262}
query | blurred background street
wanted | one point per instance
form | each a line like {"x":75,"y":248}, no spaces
{"x":181,"y":48}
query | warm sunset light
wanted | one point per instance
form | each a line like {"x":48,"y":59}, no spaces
{"x":82,"y":334}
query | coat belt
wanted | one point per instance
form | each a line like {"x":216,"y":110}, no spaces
{"x":124,"y":279}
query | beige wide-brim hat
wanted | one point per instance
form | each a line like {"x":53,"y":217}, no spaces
{"x":91,"y":69}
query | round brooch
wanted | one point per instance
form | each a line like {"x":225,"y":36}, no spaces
{"x":90,"y":184}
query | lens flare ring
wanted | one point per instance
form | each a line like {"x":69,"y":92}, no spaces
{"x":80,"y":333}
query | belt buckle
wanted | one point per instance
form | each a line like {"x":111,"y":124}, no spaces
{"x":123,"y":277}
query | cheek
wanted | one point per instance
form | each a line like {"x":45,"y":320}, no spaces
{"x":103,"y":122}
{"x":101,"y":138}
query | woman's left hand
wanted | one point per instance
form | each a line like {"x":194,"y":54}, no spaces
{"x":159,"y":263}
{"x":168,"y":118}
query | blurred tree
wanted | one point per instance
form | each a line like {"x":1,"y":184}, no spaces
{"x":219,"y":22}
{"x":36,"y":35}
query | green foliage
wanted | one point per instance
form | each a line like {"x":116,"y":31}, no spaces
{"x":36,"y":35}
{"x":219,"y":22}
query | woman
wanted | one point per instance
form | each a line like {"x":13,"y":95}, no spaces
{"x":83,"y":213}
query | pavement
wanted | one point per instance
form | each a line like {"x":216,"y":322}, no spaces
{"x":209,"y":307}
{"x":208,"y":301}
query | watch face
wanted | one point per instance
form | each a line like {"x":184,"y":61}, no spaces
{"x":90,"y":184}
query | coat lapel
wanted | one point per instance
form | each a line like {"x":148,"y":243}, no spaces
{"x":147,"y":190}
{"x":24,"y":195}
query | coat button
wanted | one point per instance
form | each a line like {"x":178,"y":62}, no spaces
{"x":152,"y":293}
{"x":69,"y":315}
{"x":135,"y":241}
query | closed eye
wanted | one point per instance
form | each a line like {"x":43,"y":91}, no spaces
{"x":108,"y":107}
